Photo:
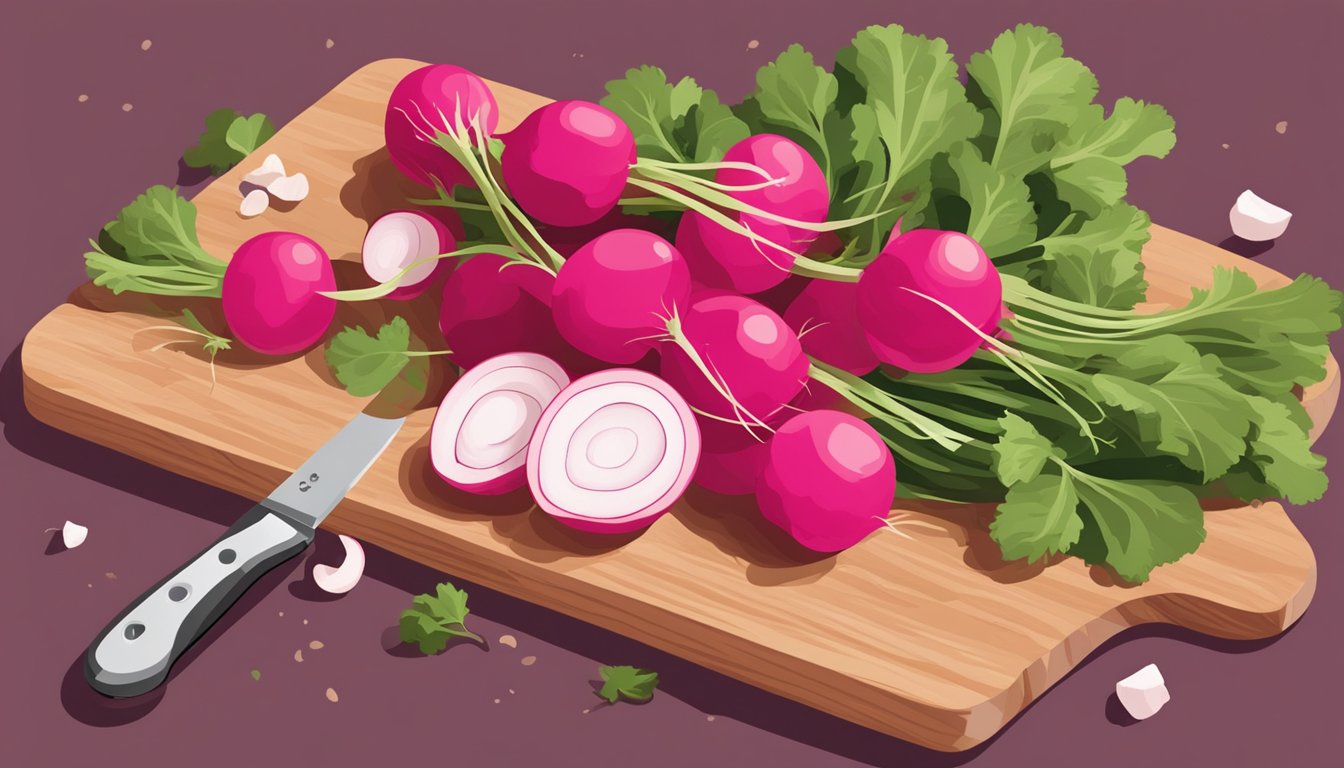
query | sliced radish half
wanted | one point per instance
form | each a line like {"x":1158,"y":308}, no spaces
{"x":479,"y":439}
{"x":400,"y":239}
{"x":613,"y":451}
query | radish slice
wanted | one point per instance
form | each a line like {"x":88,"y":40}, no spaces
{"x":343,"y":578}
{"x":613,"y":451}
{"x":480,"y":435}
{"x":72,"y":534}
{"x":400,"y":239}
{"x":1257,"y":219}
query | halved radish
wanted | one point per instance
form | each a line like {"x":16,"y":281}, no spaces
{"x":480,"y":434}
{"x":402,"y":238}
{"x":613,"y":451}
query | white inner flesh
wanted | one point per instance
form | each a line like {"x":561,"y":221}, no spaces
{"x":611,"y":451}
{"x":396,"y":241}
{"x":487,"y":421}
{"x":1260,"y":209}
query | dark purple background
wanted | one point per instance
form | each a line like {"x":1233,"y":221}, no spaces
{"x":1228,"y":71}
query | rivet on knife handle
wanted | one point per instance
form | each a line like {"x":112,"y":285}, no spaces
{"x":135,"y":652}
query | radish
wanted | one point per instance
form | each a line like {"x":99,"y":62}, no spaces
{"x":725,"y":259}
{"x":430,"y":101}
{"x":568,"y":240}
{"x":488,"y":310}
{"x":567,"y":163}
{"x":923,"y":297}
{"x":828,"y":480}
{"x":615,"y":294}
{"x":734,"y":359}
{"x":481,"y":431}
{"x":827,"y":322}
{"x":731,"y":458}
{"x":402,"y":238}
{"x":800,"y":192}
{"x":612,"y":451}
{"x":270,"y":293}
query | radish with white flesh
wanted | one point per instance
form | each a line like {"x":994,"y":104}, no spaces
{"x":430,"y":101}
{"x":613,"y":451}
{"x":734,"y":359}
{"x":338,"y":580}
{"x":827,"y":322}
{"x":908,"y":296}
{"x":271,"y":293}
{"x":1254,"y":218}
{"x":402,"y":238}
{"x":615,"y":294}
{"x":489,"y":309}
{"x":567,"y":163}
{"x":828,"y":480}
{"x":481,"y":431}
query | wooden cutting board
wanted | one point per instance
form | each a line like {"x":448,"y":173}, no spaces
{"x":932,"y":639}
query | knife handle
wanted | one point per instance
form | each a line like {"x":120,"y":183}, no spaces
{"x":134,"y":653}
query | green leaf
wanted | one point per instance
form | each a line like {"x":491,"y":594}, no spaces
{"x":908,"y":107}
{"x":1039,"y":517}
{"x":245,"y":134}
{"x":433,"y":620}
{"x":1181,"y":403}
{"x":1141,"y":524}
{"x":1021,"y":452}
{"x":212,"y":150}
{"x":365,"y":364}
{"x":796,"y":98}
{"x":1281,"y":453}
{"x":1002,"y":219}
{"x":679,"y":122}
{"x":625,"y":682}
{"x":214,"y":343}
{"x":1091,"y":184}
{"x":256,"y":674}
{"x":151,"y":247}
{"x":1112,"y":279}
{"x":1133,"y":130}
{"x":1030,"y":94}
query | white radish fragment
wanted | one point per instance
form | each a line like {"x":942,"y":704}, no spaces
{"x":1143,"y":693}
{"x":270,"y":169}
{"x":613,"y":451}
{"x":72,"y":534}
{"x":254,"y":203}
{"x":481,"y":431}
{"x":343,"y":578}
{"x":1254,"y":218}
{"x":400,"y":239}
{"x":290,"y":189}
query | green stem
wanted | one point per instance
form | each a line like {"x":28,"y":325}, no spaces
{"x":383,"y":289}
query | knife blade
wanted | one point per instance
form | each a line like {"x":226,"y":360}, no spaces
{"x":135,"y":652}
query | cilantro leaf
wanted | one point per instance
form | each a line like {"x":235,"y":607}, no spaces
{"x":796,"y":98}
{"x":365,"y":364}
{"x":1133,"y":130}
{"x":626,"y":682}
{"x":152,"y":247}
{"x":1140,"y":523}
{"x":1091,"y":184}
{"x":1038,"y":517}
{"x":1021,"y":453}
{"x":1183,"y":407}
{"x":679,"y":122}
{"x":1112,"y":279}
{"x":1002,"y":219}
{"x":1281,"y":461}
{"x":227,"y":139}
{"x":1029,"y":94}
{"x":433,"y":620}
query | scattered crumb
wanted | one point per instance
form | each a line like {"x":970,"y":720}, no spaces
{"x":331,"y":695}
{"x":330,"y":42}
{"x":496,"y":701}
{"x":90,"y":586}
{"x":83,"y":97}
{"x":145,"y":45}
{"x":316,"y":645}
{"x":305,"y":621}
{"x":256,"y":674}
{"x":710,"y":718}
{"x":1225,"y":146}
{"x":753,"y":44}
{"x":585,"y":711}
{"x":298,"y":655}
{"x":111,"y":575}
{"x":282,"y":613}
{"x":508,"y":640}
{"x":529,"y":661}
{"x":126,"y":107}
{"x":1281,"y":126}
{"x":510,"y":691}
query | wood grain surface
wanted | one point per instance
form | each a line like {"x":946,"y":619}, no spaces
{"x":933,"y":639}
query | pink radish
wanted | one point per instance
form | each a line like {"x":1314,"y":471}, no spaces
{"x":567,"y":163}
{"x":428,"y":102}
{"x":800,"y":192}
{"x":481,"y":431}
{"x":731,"y":458}
{"x":827,"y":322}
{"x":722,"y":258}
{"x":489,"y":309}
{"x":271,"y":293}
{"x":612,"y":451}
{"x":614,"y":295}
{"x":747,"y":363}
{"x":828,"y":480}
{"x":907,"y":297}
{"x":402,"y":238}
{"x":568,"y":240}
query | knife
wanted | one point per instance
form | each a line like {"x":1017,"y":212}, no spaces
{"x":135,"y":652}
